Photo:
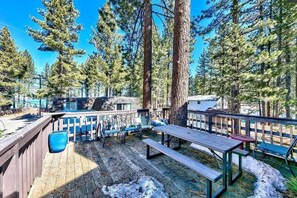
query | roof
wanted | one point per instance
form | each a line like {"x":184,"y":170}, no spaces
{"x":203,"y":98}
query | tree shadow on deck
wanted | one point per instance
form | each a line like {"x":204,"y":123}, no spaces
{"x":121,"y":163}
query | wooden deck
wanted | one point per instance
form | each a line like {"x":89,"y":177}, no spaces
{"x":83,"y":168}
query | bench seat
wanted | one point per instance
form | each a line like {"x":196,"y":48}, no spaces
{"x":240,"y":152}
{"x":210,"y":174}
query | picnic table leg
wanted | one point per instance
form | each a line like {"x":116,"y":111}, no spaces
{"x":147,"y":152}
{"x":224,"y":184}
{"x":209,"y":189}
{"x":225,"y":170}
{"x":162,"y":139}
{"x":230,"y":168}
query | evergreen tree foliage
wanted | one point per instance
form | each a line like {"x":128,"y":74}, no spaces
{"x":59,"y":33}
{"x":130,"y":17}
{"x":200,"y":79}
{"x":16,"y":68}
{"x":251,"y":48}
{"x":91,"y":74}
{"x":107,"y":40}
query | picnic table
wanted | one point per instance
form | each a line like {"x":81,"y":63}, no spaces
{"x":211,"y":141}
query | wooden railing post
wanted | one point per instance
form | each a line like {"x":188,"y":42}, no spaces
{"x":210,"y":123}
{"x":248,"y":127}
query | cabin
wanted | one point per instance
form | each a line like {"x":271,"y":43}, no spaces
{"x":115,"y":103}
{"x":202,"y":102}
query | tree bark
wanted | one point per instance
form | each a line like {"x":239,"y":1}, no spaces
{"x":180,"y":71}
{"x":234,"y":100}
{"x":87,"y":90}
{"x":288,"y":84}
{"x":262,"y":64}
{"x":279,"y":59}
{"x":296,"y":79}
{"x":147,"y":66}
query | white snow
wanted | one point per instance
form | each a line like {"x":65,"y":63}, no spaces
{"x":145,"y":187}
{"x":269,"y":180}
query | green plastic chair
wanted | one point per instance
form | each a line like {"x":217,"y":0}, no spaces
{"x":278,"y":150}
{"x":145,"y":123}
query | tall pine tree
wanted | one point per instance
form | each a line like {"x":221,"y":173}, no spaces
{"x":59,"y":33}
{"x":107,"y":40}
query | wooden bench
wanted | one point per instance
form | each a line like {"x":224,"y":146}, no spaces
{"x":236,"y":151}
{"x":210,"y":174}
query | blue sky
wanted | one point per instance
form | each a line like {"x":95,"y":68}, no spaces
{"x":15,"y":14}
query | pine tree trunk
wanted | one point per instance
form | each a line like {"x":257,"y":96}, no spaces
{"x":210,"y":84}
{"x":60,"y":74}
{"x":288,"y":84}
{"x":87,"y":90}
{"x":279,"y":61}
{"x":168,"y":85}
{"x":234,"y":101}
{"x":147,"y":66}
{"x":269,"y":104}
{"x":107,"y":91}
{"x":180,"y":71}
{"x":263,"y":104}
{"x":296,"y":79}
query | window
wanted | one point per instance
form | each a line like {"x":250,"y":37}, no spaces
{"x":123,"y":106}
{"x":70,"y":106}
{"x":119,"y":107}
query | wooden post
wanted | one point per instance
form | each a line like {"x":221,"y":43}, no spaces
{"x":210,"y":123}
{"x":247,"y":127}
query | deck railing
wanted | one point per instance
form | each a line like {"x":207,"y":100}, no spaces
{"x":21,"y":156}
{"x":274,"y":130}
{"x":83,"y":125}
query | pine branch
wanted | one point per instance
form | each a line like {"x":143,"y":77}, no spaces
{"x":157,"y":13}
{"x":163,"y":7}
{"x":134,"y":27}
{"x":161,"y":20}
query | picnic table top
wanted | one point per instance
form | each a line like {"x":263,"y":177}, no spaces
{"x":211,"y":141}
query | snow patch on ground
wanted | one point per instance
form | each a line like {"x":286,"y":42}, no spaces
{"x":145,"y":187}
{"x":269,"y":180}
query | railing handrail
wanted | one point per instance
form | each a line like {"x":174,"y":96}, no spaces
{"x":97,"y":113}
{"x":249,"y":117}
{"x":15,"y":138}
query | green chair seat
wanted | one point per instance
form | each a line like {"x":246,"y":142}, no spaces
{"x":111,"y":132}
{"x":272,"y":148}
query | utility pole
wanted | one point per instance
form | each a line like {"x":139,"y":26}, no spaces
{"x":39,"y":77}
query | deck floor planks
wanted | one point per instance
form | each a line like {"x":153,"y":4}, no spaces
{"x":87,"y":167}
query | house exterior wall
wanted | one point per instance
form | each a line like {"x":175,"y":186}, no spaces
{"x":203,"y":106}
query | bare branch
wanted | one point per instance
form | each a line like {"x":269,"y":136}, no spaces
{"x":157,"y":13}
{"x":163,"y":7}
